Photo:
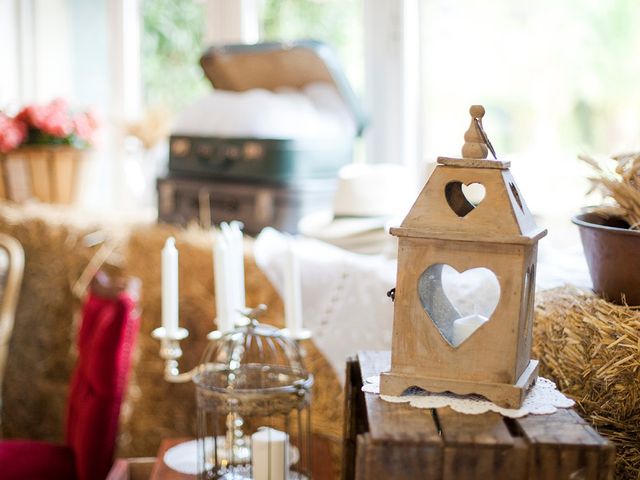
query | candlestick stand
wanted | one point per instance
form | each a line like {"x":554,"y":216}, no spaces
{"x":170,"y":351}
{"x":298,"y":335}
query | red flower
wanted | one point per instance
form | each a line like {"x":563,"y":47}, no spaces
{"x":52,"y":118}
{"x":58,"y":124}
{"x":85,"y":125}
{"x":33,"y":115}
{"x":12,"y":133}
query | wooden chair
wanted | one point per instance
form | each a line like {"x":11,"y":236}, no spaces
{"x":11,"y":270}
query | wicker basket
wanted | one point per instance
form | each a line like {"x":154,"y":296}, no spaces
{"x":49,"y":174}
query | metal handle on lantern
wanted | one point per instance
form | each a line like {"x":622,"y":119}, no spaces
{"x":170,"y":351}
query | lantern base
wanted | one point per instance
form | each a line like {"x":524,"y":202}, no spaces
{"x":502,"y":394}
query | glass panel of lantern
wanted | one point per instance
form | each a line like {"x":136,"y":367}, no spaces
{"x":253,"y":398}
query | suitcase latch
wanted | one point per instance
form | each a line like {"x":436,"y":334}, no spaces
{"x":252,"y":151}
{"x":264,"y":206}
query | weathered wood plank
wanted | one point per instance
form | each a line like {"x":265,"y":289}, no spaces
{"x":483,"y":429}
{"x":563,"y":415}
{"x":485,"y":462}
{"x":480,"y":446}
{"x":354,"y":417}
{"x":396,"y":422}
{"x":563,"y":446}
{"x":398,"y":461}
{"x":539,"y":430}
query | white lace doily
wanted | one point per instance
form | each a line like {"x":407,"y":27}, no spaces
{"x":543,"y":399}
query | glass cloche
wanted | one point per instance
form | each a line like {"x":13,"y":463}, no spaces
{"x":253,"y":397}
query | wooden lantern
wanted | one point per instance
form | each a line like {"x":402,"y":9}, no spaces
{"x":444,"y":228}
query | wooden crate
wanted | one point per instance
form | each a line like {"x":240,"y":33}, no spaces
{"x":47,"y":173}
{"x":395,"y":441}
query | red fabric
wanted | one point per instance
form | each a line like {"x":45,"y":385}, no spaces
{"x":31,"y":460}
{"x":105,"y":343}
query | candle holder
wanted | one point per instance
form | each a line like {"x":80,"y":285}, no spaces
{"x":171,"y":351}
{"x":298,"y":335}
{"x":253,"y":397}
{"x":242,"y":321}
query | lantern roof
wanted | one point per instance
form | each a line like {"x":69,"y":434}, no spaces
{"x":471,"y":198}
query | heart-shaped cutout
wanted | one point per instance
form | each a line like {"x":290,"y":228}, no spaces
{"x":463,"y":198}
{"x":458,"y":303}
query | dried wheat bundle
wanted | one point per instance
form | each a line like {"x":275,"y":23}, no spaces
{"x":621,"y":185}
{"x":591,"y":349}
{"x":154,"y":127}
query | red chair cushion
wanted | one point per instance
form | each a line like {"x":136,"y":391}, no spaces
{"x":32,"y":460}
{"x":105,"y":342}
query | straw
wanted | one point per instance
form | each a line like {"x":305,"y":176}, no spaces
{"x":591,"y":349}
{"x":621,"y":186}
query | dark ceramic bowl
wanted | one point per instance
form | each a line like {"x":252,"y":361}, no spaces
{"x":613,"y":256}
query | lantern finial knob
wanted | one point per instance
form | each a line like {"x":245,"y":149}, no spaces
{"x":474,"y":143}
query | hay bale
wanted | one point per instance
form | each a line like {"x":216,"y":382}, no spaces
{"x":591,"y":349}
{"x":41,"y":350}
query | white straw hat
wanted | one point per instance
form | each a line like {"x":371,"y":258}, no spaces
{"x":381,"y":190}
{"x":367,"y":199}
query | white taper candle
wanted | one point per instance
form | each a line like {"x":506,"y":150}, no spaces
{"x":223,"y":313}
{"x":236,"y":229}
{"x":231,"y":271}
{"x":292,"y":291}
{"x":170,"y":287}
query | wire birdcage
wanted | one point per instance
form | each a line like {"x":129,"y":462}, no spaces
{"x":253,"y":398}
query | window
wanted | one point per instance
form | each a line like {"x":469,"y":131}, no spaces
{"x":336,"y":22}
{"x":172,"y":42}
{"x":557,"y":79}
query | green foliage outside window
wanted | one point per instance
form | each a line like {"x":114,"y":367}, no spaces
{"x":336,"y":22}
{"x":172,"y":41}
{"x":171,"y":48}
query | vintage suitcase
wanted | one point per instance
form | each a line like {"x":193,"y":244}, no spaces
{"x":182,"y":200}
{"x":284,"y":161}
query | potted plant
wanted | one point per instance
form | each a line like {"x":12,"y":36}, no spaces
{"x":40,"y":151}
{"x":610,"y":233}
